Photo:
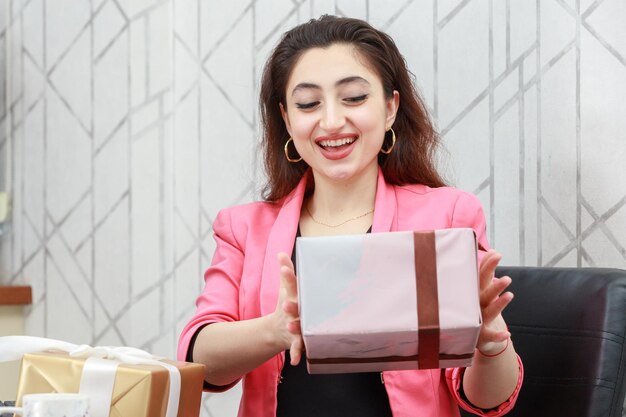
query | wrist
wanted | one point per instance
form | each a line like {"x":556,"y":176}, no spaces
{"x":496,"y":350}
{"x":273,"y":332}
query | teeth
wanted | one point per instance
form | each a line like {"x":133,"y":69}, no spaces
{"x":339,"y":142}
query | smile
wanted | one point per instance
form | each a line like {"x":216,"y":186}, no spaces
{"x":337,"y":146}
{"x":337,"y":142}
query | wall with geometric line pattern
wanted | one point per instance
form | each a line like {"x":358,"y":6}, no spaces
{"x":125,"y":125}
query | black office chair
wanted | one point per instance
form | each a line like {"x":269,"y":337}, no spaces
{"x":569,"y":327}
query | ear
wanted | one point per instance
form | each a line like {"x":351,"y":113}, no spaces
{"x":392,"y":108}
{"x":283,"y":113}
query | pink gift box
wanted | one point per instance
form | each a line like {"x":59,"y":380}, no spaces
{"x":388,"y":301}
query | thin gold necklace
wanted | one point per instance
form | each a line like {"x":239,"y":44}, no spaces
{"x":339,"y":224}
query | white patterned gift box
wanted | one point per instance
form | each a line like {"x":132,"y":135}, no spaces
{"x":389,"y":301}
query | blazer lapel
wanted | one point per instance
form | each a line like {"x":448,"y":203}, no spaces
{"x":385,"y":205}
{"x":281,"y":239}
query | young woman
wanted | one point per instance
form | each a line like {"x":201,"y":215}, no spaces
{"x":349,"y":149}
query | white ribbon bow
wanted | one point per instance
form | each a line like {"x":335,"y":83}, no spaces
{"x":101,"y":363}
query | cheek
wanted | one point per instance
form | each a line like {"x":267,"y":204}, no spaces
{"x":370,"y":122}
{"x":302,"y":125}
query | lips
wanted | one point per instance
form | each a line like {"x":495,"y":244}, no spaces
{"x":337,"y":146}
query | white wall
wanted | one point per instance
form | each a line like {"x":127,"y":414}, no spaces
{"x":128,"y":123}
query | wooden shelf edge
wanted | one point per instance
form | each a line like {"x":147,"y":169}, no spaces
{"x":16,"y":295}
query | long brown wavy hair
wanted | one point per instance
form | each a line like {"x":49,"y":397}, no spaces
{"x":412,"y":159}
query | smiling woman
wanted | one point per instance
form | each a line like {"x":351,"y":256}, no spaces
{"x":337,"y":112}
{"x":349,"y":149}
{"x":373,"y":53}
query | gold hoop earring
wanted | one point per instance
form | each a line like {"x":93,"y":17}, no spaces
{"x":287,"y":152}
{"x":393,"y":143}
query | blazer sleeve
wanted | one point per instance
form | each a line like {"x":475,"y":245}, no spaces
{"x":219,"y":300}
{"x":468,"y":212}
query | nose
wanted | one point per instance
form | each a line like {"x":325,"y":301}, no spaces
{"x":333,"y":118}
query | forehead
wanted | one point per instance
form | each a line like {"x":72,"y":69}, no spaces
{"x":325,"y":66}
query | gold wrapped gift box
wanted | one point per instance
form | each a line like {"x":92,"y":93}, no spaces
{"x":139,"y":390}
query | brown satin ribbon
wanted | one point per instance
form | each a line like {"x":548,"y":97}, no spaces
{"x":427,"y":300}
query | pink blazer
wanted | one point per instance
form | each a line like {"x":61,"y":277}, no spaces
{"x":242,"y":283}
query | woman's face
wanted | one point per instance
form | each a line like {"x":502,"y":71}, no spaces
{"x":336,"y":112}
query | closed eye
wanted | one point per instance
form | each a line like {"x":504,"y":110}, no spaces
{"x":305,"y":106}
{"x":356,"y":99}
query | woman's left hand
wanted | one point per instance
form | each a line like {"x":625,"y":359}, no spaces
{"x":494,"y":333}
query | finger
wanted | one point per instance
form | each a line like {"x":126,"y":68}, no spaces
{"x":288,"y":281}
{"x":496,"y":307}
{"x":491,"y":292}
{"x":295,"y":351}
{"x":285,"y":260}
{"x":488,"y":267}
{"x":294,"y":327}
{"x":287,"y":275}
{"x":291,"y":308}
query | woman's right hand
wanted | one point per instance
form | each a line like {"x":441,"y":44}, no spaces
{"x":287,"y":314}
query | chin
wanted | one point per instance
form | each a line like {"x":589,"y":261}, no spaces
{"x":341,"y":175}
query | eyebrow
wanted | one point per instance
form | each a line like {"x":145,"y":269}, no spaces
{"x":347,"y":80}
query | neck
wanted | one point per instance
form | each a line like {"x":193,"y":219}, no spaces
{"x":337,"y":201}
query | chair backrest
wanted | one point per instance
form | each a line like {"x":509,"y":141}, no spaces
{"x":569,"y":327}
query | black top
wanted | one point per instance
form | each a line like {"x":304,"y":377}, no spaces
{"x":330,"y":395}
